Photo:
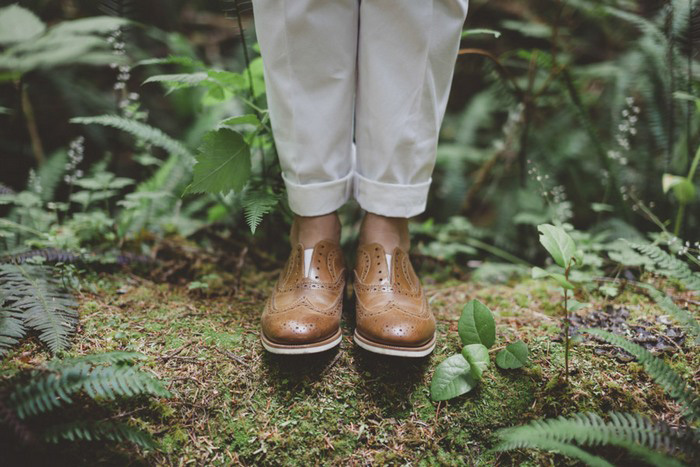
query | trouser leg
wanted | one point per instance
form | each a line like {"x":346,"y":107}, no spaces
{"x":406,"y":56}
{"x":309,"y":50}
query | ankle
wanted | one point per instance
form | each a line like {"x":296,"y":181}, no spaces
{"x":310,"y":230}
{"x":389,"y":232}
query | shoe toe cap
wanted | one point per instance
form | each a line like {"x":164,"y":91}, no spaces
{"x":401,"y":330}
{"x":298,"y":327}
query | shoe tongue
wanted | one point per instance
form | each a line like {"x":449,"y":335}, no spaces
{"x":307,"y":261}
{"x":376,"y":267}
{"x":316,"y":262}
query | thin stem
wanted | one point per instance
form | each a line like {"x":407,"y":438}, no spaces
{"x":679,"y":219}
{"x":681,"y":209}
{"x":246,"y":57}
{"x":28,"y":111}
{"x":496,"y":251}
{"x":566,"y":325}
{"x":694,"y":165}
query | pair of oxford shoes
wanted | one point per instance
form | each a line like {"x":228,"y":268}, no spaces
{"x":302,"y":315}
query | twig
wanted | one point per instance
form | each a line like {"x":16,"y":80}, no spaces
{"x":28,"y":111}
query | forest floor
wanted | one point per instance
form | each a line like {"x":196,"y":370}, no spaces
{"x":234,"y":403}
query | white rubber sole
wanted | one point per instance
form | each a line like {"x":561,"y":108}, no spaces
{"x":300,"y":349}
{"x":395,"y":351}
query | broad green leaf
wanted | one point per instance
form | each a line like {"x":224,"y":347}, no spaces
{"x":91,"y":25}
{"x":476,"y":325}
{"x":515,"y":355}
{"x":233,"y":82}
{"x":241,"y":119}
{"x":609,"y":290}
{"x":668,"y":181}
{"x":477,"y":356}
{"x":451,"y":379}
{"x":558,"y":243}
{"x":223,"y":163}
{"x":683,"y":189}
{"x":539,"y":273}
{"x":18,"y":24}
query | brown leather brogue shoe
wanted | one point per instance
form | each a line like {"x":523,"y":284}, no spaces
{"x":392,"y":312}
{"x":302,"y":315}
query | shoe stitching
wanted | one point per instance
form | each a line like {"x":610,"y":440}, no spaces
{"x":272,"y":309}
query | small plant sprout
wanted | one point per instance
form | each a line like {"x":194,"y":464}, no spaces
{"x":563,"y":250}
{"x":461,"y":372}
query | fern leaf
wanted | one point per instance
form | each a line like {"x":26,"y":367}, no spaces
{"x":96,"y":431}
{"x":687,"y":320}
{"x":49,"y":390}
{"x":140,"y":130}
{"x":565,"y":449}
{"x":97,"y":359}
{"x":119,"y":8}
{"x":173,"y":60}
{"x":179,"y":80}
{"x":11,"y":330}
{"x":41,"y":302}
{"x":50,"y":255}
{"x":668,"y":265}
{"x":634,"y":432}
{"x":51,"y":173}
{"x":6,"y":190}
{"x":658,"y":370}
{"x":255,"y":205}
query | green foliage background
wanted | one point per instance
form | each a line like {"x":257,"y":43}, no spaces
{"x":533,"y":132}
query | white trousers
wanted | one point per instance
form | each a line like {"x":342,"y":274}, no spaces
{"x":357,"y":91}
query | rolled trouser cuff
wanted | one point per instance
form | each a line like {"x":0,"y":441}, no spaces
{"x":317,"y":199}
{"x":391,"y":199}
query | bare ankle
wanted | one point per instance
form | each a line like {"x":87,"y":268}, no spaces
{"x":389,"y":232}
{"x":310,"y":230}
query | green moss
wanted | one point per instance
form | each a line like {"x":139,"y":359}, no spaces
{"x":235,"y":403}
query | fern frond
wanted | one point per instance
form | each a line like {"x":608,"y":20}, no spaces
{"x":6,"y":190}
{"x":631,"y":431}
{"x":51,"y":173}
{"x":173,"y":60}
{"x":97,"y":359}
{"x":565,"y":449}
{"x":51,"y":255}
{"x":255,"y":205}
{"x":662,"y":374}
{"x":49,"y":390}
{"x":11,"y":330}
{"x":687,"y":320}
{"x":96,"y":431}
{"x":40,"y":300}
{"x":179,"y":80}
{"x":668,"y":265}
{"x":120,"y":8}
{"x":167,"y":178}
{"x":140,"y":130}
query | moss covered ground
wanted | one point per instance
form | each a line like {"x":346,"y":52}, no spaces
{"x":235,"y":404}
